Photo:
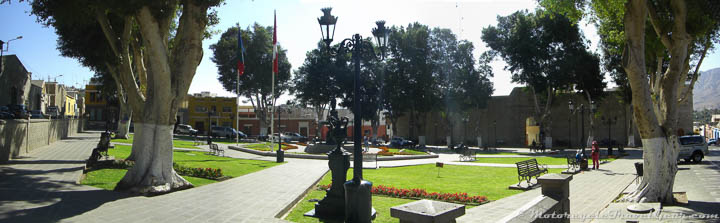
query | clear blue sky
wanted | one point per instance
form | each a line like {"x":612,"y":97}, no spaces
{"x":298,"y":32}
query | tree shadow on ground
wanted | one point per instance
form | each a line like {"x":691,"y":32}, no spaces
{"x":26,"y":197}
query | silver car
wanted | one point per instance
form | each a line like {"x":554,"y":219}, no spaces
{"x":693,"y":148}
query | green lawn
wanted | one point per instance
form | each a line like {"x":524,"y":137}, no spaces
{"x":474,"y":180}
{"x":204,"y":140}
{"x":541,"y":160}
{"x":176,"y":143}
{"x":107,"y":178}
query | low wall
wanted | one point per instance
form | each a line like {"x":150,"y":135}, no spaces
{"x":18,"y":136}
{"x":552,"y":206}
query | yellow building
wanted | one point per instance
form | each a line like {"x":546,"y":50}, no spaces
{"x":205,"y":110}
{"x":70,"y":106}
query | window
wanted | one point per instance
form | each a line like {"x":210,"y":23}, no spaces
{"x":226,"y":109}
{"x":200,"y":109}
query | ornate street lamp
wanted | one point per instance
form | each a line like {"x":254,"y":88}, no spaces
{"x":2,"y":43}
{"x":358,"y":200}
{"x":582,"y":108}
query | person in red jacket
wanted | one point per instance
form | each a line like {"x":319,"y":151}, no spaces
{"x":595,"y":155}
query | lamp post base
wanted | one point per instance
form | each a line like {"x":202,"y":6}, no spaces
{"x":358,"y":201}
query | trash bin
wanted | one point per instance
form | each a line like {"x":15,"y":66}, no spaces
{"x":639,"y":168}
{"x":610,"y":149}
{"x":280,"y":156}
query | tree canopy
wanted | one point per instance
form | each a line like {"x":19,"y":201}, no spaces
{"x":547,"y":52}
{"x":256,"y":82}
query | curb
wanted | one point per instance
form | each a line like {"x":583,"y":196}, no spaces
{"x":324,"y":157}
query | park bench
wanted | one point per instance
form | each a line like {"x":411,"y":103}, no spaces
{"x":196,"y":141}
{"x":572,"y":162}
{"x":102,"y":147}
{"x":528,"y":169}
{"x":217,"y":150}
{"x":370,"y":157}
{"x":467,"y":154}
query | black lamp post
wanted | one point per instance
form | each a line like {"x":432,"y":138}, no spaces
{"x":582,"y":110}
{"x":358,"y":200}
{"x":495,"y":132}
{"x":609,"y":122}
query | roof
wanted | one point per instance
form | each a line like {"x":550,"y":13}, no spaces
{"x":38,"y":83}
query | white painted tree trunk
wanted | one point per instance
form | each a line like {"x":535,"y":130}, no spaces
{"x":124,"y":123}
{"x":659,"y":168}
{"x":153,"y":170}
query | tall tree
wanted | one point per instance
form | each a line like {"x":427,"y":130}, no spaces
{"x":541,"y":51}
{"x":81,"y":37}
{"x":155,"y":41}
{"x":463,"y":83}
{"x":662,"y":42}
{"x":255,"y":84}
{"x":316,"y":82}
{"x":409,"y":78}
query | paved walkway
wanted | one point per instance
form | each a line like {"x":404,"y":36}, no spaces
{"x":590,"y":192}
{"x":43,"y":188}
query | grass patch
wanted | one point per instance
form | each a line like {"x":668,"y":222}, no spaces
{"x":108,"y":178}
{"x":541,"y":160}
{"x":176,"y":143}
{"x":381,"y":204}
{"x":231,"y":167}
{"x":474,"y":180}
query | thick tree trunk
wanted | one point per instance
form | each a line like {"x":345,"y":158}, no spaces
{"x":153,"y":170}
{"x":656,"y":116}
{"x":123,"y":128}
{"x":659,"y":169}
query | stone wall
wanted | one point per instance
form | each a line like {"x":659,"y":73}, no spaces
{"x":18,"y":137}
{"x":502,"y":123}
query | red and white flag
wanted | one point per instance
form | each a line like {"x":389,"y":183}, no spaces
{"x":275,"y":49}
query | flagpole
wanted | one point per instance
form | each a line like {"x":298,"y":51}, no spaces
{"x":237,"y":112}
{"x":272,"y":114}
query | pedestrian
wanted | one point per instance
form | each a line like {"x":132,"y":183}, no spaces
{"x":595,"y":155}
{"x":367,"y":144}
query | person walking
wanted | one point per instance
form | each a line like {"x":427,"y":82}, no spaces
{"x":595,"y":155}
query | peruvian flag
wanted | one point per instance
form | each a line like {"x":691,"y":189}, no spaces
{"x":275,"y":50}
{"x":240,"y":54}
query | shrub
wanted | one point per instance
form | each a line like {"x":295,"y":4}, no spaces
{"x":207,"y":173}
{"x":417,"y":193}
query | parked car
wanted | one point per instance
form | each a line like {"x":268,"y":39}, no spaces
{"x":219,"y":131}
{"x":19,"y":111}
{"x":185,"y":129}
{"x":5,"y":113}
{"x":693,"y":148}
{"x":397,"y":141}
{"x":294,"y":136}
{"x":52,"y":111}
{"x":712,"y":142}
{"x":36,"y":114}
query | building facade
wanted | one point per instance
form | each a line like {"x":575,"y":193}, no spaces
{"x":206,"y":110}
{"x":15,"y":82}
{"x":98,"y":110}
{"x":37,"y":97}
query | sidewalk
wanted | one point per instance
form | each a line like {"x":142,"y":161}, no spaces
{"x":590,"y":192}
{"x":43,"y":188}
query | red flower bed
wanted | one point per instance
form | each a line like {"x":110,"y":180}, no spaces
{"x":418,"y":193}
{"x":286,"y":146}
